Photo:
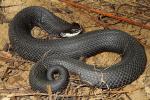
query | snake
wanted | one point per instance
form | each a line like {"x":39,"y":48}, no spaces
{"x":62,"y":55}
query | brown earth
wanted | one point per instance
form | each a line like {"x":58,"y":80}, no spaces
{"x":14,"y":70}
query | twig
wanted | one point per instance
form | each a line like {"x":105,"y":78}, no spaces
{"x":21,"y":93}
{"x":97,"y":11}
{"x":45,"y":94}
{"x":49,"y":89}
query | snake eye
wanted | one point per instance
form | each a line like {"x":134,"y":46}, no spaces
{"x":75,"y":30}
{"x":62,"y":34}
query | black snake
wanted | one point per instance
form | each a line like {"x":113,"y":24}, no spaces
{"x":62,"y":55}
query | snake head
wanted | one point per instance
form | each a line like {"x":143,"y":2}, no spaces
{"x":74,"y":30}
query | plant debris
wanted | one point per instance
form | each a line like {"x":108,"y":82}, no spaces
{"x":14,"y":70}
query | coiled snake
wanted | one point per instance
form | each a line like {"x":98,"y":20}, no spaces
{"x":62,"y":55}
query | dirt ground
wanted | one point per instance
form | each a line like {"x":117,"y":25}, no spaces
{"x":14,"y":70}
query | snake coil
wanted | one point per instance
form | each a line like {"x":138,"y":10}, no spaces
{"x":63,"y":54}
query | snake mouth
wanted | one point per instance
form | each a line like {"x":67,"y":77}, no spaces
{"x":74,"y":30}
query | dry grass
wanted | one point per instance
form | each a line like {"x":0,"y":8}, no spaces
{"x":14,"y":70}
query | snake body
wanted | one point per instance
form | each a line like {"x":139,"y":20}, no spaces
{"x":62,"y":55}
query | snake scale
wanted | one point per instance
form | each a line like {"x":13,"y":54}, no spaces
{"x":62,"y":55}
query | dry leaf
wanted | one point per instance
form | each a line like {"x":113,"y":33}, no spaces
{"x":4,"y":54}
